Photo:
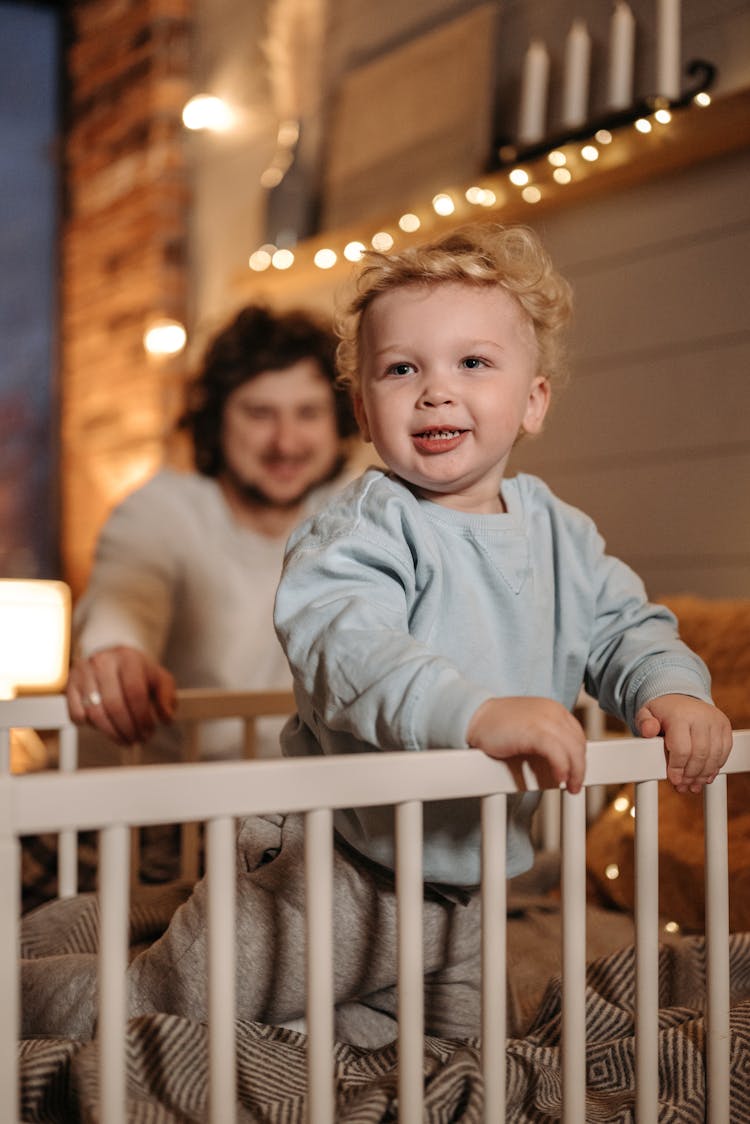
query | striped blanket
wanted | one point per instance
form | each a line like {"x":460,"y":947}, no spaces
{"x":167,"y":1070}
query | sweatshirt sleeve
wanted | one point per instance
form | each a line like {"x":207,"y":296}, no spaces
{"x":635,"y":653}
{"x":342,"y":617}
{"x":129,"y":596}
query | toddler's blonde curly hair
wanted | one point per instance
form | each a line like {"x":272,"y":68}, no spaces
{"x":480,"y":254}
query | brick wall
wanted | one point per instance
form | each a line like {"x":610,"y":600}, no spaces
{"x":123,"y":253}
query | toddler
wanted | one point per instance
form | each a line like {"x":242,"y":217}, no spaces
{"x":435,"y":603}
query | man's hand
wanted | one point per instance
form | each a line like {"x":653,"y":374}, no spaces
{"x":697,"y":738}
{"x":532,"y":727}
{"x":122,"y":692}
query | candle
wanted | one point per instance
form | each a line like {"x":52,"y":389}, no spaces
{"x":576,"y":79}
{"x":668,"y":69}
{"x":621,"y":55}
{"x":533,"y":111}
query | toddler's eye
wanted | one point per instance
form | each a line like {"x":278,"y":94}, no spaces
{"x":400,"y":369}
{"x":472,"y":362}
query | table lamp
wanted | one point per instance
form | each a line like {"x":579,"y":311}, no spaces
{"x":34,"y":636}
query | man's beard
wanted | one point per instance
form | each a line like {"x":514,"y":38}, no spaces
{"x":254,"y":496}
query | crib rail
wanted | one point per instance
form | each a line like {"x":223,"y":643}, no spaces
{"x":195,"y":706}
{"x":217,"y":793}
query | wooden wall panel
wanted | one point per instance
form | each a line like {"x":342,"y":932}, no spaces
{"x":651,"y":435}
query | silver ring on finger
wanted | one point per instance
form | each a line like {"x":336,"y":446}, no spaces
{"x":93,"y":698}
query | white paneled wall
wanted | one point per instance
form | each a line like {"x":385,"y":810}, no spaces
{"x":651,"y":435}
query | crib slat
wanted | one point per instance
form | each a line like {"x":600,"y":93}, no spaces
{"x":248,"y":739}
{"x":221,"y":865}
{"x":717,"y":951}
{"x":574,"y":956}
{"x":67,"y":843}
{"x":319,"y":964}
{"x":647,"y":951}
{"x":10,"y":867}
{"x":189,"y":832}
{"x":494,"y":955}
{"x":113,"y":959}
{"x":409,"y":896}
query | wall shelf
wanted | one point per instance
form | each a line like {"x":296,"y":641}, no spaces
{"x":693,"y":136}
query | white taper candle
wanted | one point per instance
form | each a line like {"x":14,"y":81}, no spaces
{"x":621,"y":57}
{"x":576,"y":79}
{"x":668,"y":66}
{"x":533,"y":109}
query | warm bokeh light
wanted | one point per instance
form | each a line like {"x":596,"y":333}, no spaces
{"x":382,"y":241}
{"x":519,"y":177}
{"x":590,"y":153}
{"x":643,"y":125}
{"x":663,"y":116}
{"x":271,"y":177}
{"x":562,"y":175}
{"x":531,"y":194}
{"x":260,"y":260}
{"x":165,"y":337}
{"x":205,"y":111}
{"x":409,"y":223}
{"x":443,"y":204}
{"x":612,"y":871}
{"x":325,"y":258}
{"x":282,"y":259}
{"x":353,"y":251}
{"x":557,"y":158}
{"x":603,"y":136}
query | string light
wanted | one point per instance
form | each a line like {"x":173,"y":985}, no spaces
{"x":353,"y":251}
{"x":282,"y":259}
{"x":326,"y":258}
{"x":409,"y":223}
{"x":382,"y":241}
{"x":444,"y":203}
{"x":260,"y":260}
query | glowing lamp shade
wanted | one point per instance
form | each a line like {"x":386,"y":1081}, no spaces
{"x":34,"y":636}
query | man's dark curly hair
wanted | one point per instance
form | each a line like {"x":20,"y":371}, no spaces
{"x":255,"y":341}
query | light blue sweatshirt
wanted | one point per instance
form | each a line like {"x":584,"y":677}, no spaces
{"x":400,"y":617}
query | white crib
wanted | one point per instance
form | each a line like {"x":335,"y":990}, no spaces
{"x":218,"y":793}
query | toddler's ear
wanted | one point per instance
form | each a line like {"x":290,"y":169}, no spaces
{"x":361,"y":416}
{"x":537,"y":405}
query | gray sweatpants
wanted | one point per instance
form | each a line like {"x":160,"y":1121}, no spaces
{"x":59,"y":993}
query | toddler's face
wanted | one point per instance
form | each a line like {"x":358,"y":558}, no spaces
{"x":448,"y":380}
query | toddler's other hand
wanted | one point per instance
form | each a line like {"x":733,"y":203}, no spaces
{"x":697,"y":738}
{"x":532,"y":727}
